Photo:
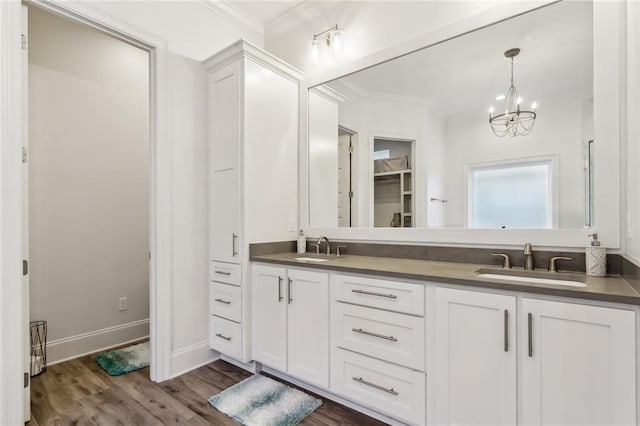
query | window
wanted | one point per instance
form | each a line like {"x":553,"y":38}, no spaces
{"x":383,"y":154}
{"x":511,"y":195}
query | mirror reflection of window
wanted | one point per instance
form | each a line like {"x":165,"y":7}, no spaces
{"x":511,"y":196}
{"x":383,"y":154}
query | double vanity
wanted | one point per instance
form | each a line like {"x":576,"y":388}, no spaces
{"x":431,"y":342}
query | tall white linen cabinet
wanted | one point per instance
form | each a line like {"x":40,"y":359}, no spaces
{"x":253,"y":175}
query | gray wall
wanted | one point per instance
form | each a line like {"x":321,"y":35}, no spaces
{"x":88,"y":185}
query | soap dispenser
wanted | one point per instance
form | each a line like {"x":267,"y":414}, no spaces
{"x":302,"y":243}
{"x":596,"y":258}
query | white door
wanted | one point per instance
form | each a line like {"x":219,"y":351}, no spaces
{"x":25,"y":218}
{"x":225,"y":103}
{"x":578,"y":364}
{"x":344,"y":181}
{"x":269,"y":315}
{"x":475,"y":357}
{"x":308,"y":326}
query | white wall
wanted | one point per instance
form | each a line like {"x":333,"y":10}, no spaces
{"x":88,"y":185}
{"x":192,"y":28}
{"x":633,"y":131}
{"x":189,"y":234}
{"x":558,"y":131}
{"x":368,"y":27}
{"x":323,"y":160}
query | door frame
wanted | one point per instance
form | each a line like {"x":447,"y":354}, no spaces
{"x":12,"y":193}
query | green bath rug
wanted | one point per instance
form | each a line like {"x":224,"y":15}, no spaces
{"x":260,"y":400}
{"x":126,"y":360}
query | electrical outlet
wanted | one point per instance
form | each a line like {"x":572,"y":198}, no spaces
{"x":123,"y":304}
{"x":292,"y":224}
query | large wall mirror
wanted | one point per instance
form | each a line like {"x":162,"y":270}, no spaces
{"x":410,"y":142}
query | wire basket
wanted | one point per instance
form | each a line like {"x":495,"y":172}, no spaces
{"x":38,"y":333}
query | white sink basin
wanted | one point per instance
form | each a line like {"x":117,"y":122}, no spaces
{"x":535,"y":280}
{"x":311,"y":259}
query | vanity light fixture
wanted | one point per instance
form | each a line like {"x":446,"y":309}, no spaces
{"x":514,"y":121}
{"x":332,"y":38}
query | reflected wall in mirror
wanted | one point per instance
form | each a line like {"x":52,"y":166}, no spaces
{"x":408,"y":142}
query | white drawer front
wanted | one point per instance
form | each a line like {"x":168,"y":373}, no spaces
{"x":225,"y":301}
{"x":390,"y":336}
{"x":385,"y":294}
{"x":395,"y":391}
{"x":225,"y":337}
{"x":229,"y":273}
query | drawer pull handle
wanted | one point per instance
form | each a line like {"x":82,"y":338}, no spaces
{"x":373,"y":385}
{"x":226,"y":302}
{"x":222,"y":336}
{"x":371,"y":293}
{"x":222,"y":272}
{"x":279,"y":289}
{"x":380,"y":336}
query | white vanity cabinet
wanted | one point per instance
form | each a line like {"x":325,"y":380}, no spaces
{"x":573,"y":364}
{"x":378,"y":344}
{"x":253,"y":143}
{"x":578,"y":364}
{"x":475,"y":356}
{"x":291,"y":321}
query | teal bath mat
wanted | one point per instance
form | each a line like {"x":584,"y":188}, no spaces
{"x":261,"y":401}
{"x":126,"y":360}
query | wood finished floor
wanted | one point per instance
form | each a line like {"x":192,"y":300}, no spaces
{"x":79,"y":392}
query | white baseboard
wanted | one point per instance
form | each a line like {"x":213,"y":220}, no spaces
{"x":189,"y":358}
{"x":61,"y":350}
{"x":333,"y":397}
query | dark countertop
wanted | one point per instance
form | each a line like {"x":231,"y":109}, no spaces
{"x":608,"y":289}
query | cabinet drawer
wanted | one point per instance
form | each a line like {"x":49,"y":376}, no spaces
{"x":229,"y":273}
{"x":389,"y":336}
{"x":225,"y":336}
{"x":225,"y":301}
{"x":385,"y":294}
{"x":395,"y":391}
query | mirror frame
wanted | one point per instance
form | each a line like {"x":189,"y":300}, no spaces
{"x":608,"y":90}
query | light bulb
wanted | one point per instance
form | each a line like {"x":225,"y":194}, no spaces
{"x":314,"y":51}
{"x":519,"y":100}
{"x":336,"y":42}
{"x":534,"y":106}
{"x":499,"y":97}
{"x":491,"y":109}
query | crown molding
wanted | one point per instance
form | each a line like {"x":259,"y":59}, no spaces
{"x":329,"y":93}
{"x":243,"y":49}
{"x":298,"y":15}
{"x":384,"y":96}
{"x":230,"y":11}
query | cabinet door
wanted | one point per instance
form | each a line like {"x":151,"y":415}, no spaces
{"x":475,"y":358}
{"x":578,"y":364}
{"x":269,"y":315}
{"x":225,"y":102}
{"x":308,"y":326}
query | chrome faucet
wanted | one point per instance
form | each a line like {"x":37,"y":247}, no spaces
{"x":528,"y":257}
{"x":328,"y":246}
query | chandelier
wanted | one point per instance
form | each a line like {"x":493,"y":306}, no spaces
{"x":514,"y":121}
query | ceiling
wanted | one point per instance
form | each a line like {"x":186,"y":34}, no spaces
{"x":467,"y":73}
{"x":265,"y":11}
